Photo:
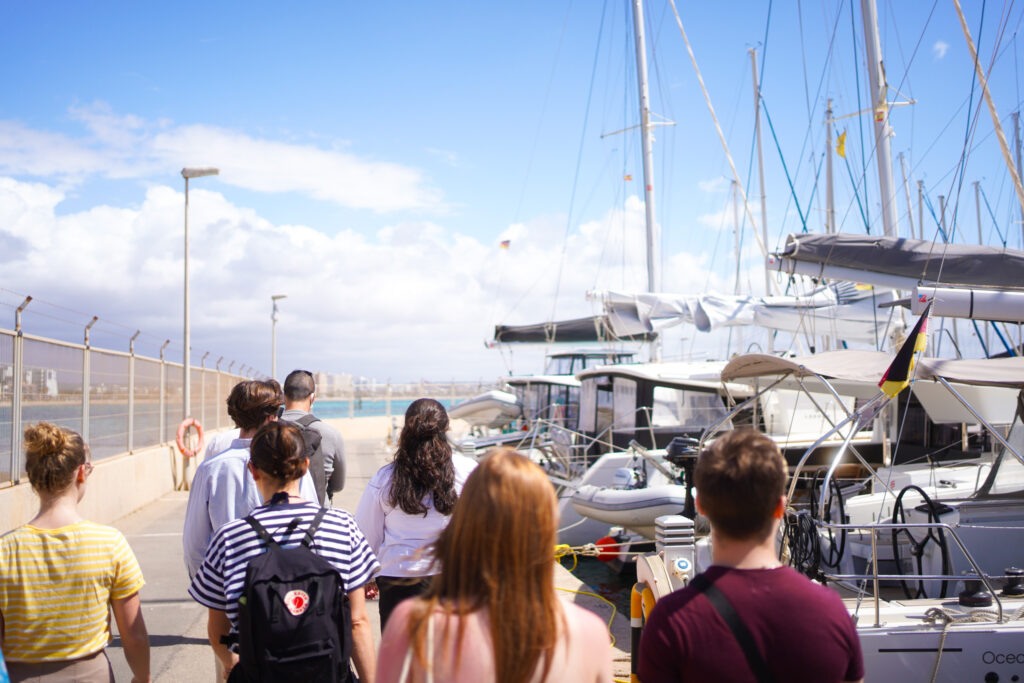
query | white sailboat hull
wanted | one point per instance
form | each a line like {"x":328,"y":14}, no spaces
{"x":490,"y":410}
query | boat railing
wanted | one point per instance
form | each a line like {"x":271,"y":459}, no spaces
{"x":875,"y":577}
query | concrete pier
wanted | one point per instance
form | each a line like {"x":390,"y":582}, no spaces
{"x":177,"y":625}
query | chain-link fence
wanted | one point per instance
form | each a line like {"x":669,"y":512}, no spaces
{"x":119,"y":402}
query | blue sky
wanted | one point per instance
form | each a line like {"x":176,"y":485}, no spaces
{"x":373,"y":156}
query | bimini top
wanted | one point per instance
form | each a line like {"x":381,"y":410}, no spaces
{"x":869,"y":366}
{"x":704,"y":376}
{"x":593,"y":329}
{"x":900,"y":262}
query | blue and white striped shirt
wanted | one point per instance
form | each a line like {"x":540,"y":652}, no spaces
{"x":220,"y":581}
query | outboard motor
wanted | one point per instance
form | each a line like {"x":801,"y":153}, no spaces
{"x":682,"y":452}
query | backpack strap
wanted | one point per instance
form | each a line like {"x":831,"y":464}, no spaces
{"x":308,"y":539}
{"x":307,"y":419}
{"x":739,"y":630}
{"x":261,"y":532}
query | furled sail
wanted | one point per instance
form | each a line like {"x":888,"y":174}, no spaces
{"x":899,"y":263}
{"x":593,"y":329}
{"x":841,"y":311}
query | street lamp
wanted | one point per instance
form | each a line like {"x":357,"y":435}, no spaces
{"x":274,"y":298}
{"x":188,"y":173}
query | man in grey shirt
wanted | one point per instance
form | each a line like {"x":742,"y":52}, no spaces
{"x":299,"y":395}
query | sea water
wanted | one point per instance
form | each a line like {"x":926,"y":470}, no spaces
{"x":329,"y":409}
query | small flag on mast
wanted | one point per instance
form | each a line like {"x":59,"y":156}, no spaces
{"x":505,"y":244}
{"x":628,"y":177}
{"x":897,"y":376}
{"x":841,"y":144}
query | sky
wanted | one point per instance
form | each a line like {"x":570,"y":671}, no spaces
{"x":374,"y":156}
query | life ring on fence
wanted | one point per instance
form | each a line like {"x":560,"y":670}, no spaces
{"x":180,"y":438}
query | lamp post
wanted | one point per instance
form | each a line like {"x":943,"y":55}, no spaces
{"x":273,"y":333}
{"x":187,"y":173}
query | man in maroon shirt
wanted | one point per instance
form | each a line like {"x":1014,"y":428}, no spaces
{"x":799,"y":630}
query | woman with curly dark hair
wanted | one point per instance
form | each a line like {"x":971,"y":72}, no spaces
{"x":408,"y":502}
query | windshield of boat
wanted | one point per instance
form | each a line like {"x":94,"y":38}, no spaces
{"x":686,"y":409}
{"x":1007,"y":474}
{"x":571,"y":364}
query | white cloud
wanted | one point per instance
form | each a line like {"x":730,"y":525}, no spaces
{"x":718,"y":220}
{"x":939,"y":49}
{"x":713,"y":186}
{"x":126,"y":146}
{"x":413,"y":300}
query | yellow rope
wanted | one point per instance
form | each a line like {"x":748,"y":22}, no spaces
{"x":561,"y":551}
{"x":599,"y":597}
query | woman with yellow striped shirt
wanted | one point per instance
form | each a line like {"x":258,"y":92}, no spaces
{"x":60,"y":574}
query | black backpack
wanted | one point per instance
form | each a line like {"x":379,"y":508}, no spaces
{"x":315,"y":452}
{"x":293,"y":618}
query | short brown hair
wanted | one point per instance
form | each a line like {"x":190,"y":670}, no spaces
{"x":739,"y":480}
{"x":252,"y":401}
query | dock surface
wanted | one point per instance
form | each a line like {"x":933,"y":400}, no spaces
{"x":179,"y":647}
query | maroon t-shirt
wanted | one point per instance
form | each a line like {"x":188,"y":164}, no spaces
{"x":801,"y":628}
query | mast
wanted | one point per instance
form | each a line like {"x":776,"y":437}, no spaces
{"x":906,"y":192}
{"x":645,"y":131}
{"x":760,"y":163}
{"x":880,"y":106}
{"x":830,"y":211}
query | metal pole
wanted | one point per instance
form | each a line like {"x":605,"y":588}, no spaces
{"x":920,"y":209}
{"x":647,"y":149}
{"x":760,"y":173}
{"x":202,"y":389}
{"x":220,"y":408}
{"x":273,"y":345}
{"x":85,"y":382}
{"x":187,"y":380}
{"x":1016,"y":138}
{"x":16,"y":381}
{"x":906,"y":192}
{"x":131,"y":390}
{"x":163,"y":393}
{"x":880,"y":106}
{"x":830,"y":210}
{"x":981,"y":239}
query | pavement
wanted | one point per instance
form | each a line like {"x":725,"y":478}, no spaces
{"x":179,"y":649}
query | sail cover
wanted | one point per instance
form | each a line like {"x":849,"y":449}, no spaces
{"x":593,"y":329}
{"x":840,"y":311}
{"x":898,"y":262}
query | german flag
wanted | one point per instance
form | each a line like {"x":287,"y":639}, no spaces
{"x":897,"y":376}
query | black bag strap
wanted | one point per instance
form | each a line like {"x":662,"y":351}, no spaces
{"x":308,"y":539}
{"x":307,"y":419}
{"x":739,"y":629}
{"x":261,"y":532}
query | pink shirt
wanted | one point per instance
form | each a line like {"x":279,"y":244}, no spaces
{"x":583,"y":652}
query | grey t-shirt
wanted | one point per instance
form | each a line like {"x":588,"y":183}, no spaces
{"x":333,"y":447}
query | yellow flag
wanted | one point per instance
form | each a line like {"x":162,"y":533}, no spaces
{"x":841,"y":145}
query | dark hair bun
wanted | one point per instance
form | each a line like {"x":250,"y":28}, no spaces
{"x":52,"y":454}
{"x":278,"y":450}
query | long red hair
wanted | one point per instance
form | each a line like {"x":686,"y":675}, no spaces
{"x":497,"y":552}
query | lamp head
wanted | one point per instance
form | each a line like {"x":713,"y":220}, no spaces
{"x":199,"y":171}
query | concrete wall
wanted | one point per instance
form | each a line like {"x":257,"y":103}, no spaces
{"x":118,"y":486}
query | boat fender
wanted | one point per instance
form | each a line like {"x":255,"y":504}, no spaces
{"x":179,"y":439}
{"x":607,"y":549}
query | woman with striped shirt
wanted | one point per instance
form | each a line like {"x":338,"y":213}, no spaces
{"x":277,"y":464}
{"x":60,"y":575}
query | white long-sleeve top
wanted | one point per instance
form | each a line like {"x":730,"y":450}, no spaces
{"x":398,"y":539}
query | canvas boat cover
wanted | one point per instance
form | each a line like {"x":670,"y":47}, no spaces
{"x":918,"y":261}
{"x":593,"y":329}
{"x":840,"y":311}
{"x":869,"y":366}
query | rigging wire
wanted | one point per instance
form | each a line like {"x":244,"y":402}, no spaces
{"x":579,"y":163}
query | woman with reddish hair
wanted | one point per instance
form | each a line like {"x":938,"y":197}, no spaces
{"x":492,"y":613}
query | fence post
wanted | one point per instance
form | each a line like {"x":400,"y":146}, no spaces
{"x":16,"y":381}
{"x":131,"y":391}
{"x":202,"y":388}
{"x":220,"y":410}
{"x":163,"y":392}
{"x":85,"y":382}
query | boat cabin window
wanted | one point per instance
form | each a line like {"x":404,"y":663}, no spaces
{"x":686,"y":409}
{"x":624,"y":403}
{"x":1007,"y":474}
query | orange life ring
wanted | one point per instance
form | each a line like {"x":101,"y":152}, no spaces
{"x":180,"y":438}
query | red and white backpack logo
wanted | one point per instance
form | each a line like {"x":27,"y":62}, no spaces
{"x":296,"y":601}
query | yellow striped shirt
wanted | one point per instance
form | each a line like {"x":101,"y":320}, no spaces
{"x":56,"y":586}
